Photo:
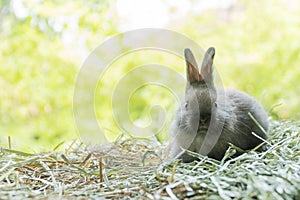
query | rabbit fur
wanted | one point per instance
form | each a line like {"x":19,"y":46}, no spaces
{"x":209,"y":119}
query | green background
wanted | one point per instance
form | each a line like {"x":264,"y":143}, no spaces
{"x":257,"y":45}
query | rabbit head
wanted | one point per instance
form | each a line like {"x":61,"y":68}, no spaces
{"x":200,"y":94}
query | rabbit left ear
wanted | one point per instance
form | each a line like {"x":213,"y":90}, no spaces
{"x":207,"y":63}
{"x":193,"y":74}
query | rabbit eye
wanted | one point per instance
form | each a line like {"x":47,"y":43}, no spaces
{"x":186,"y":105}
{"x":216,"y":105}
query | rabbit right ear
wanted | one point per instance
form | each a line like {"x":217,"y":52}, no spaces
{"x":207,"y":64}
{"x":193,"y":74}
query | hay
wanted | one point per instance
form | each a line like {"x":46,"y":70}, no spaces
{"x":133,"y":169}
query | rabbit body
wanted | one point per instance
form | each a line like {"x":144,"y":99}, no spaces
{"x":210,"y":119}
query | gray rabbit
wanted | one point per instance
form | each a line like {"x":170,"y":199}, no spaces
{"x":209,"y":119}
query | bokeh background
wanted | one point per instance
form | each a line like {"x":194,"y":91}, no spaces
{"x":43,"y":44}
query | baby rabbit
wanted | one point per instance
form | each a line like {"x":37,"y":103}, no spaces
{"x":210,"y":118}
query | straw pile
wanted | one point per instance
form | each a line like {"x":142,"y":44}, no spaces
{"x":133,"y":169}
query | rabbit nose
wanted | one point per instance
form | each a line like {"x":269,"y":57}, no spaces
{"x":202,"y":120}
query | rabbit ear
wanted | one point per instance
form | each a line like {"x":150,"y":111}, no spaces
{"x":207,"y":64}
{"x":193,"y":74}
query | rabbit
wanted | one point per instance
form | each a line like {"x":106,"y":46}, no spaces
{"x":209,"y":119}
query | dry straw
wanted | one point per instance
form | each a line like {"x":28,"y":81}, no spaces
{"x":133,"y":169}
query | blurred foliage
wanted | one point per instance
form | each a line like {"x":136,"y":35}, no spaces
{"x":39,"y":66}
{"x":43,"y":47}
